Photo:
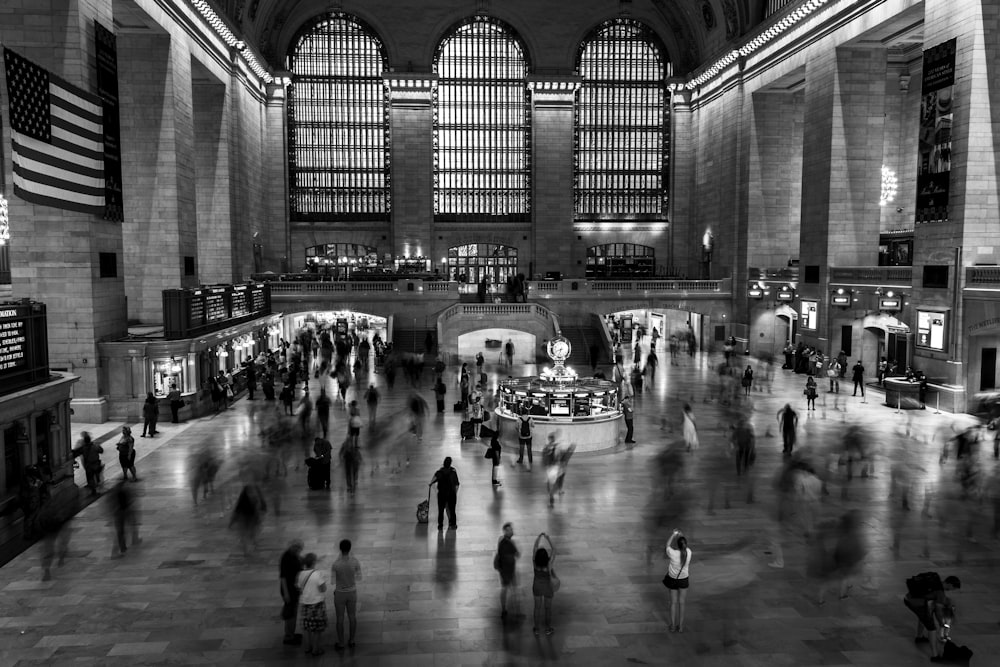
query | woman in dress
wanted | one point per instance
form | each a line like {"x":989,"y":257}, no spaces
{"x":747,"y":380}
{"x":542,"y":587}
{"x":126,"y":453}
{"x":690,"y":429}
{"x":312,"y":589}
{"x":810,"y":393}
{"x":676,"y":581}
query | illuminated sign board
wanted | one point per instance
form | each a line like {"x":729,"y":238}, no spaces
{"x":755,"y":293}
{"x":841,"y":300}
{"x":785,"y":295}
{"x":931,"y":329}
{"x":192,"y":312}
{"x":24,"y":349}
{"x":889,"y":303}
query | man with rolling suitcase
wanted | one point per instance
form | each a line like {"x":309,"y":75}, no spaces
{"x":447,"y":482}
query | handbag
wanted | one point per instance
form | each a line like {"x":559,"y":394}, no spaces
{"x":556,"y":584}
{"x":496,"y":561}
{"x":486,"y":415}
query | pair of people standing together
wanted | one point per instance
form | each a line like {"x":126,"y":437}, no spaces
{"x":545,"y":583}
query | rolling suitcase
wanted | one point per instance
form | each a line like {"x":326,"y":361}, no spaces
{"x":467,"y":430}
{"x":424,"y":509}
{"x":314,"y":474}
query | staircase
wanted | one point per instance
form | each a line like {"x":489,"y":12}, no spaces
{"x":581,"y":338}
{"x":410,"y":340}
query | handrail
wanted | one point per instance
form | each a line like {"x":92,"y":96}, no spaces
{"x":538,"y":289}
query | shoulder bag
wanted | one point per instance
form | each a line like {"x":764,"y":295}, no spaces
{"x":556,"y":583}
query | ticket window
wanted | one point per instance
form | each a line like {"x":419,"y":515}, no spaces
{"x":165,"y":374}
{"x":559,"y":406}
{"x":581,"y":405}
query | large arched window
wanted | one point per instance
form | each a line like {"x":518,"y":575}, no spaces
{"x":622,"y":124}
{"x":338,"y":155}
{"x":481,"y":124}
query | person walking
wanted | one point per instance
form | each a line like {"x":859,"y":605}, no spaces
{"x":350,"y":454}
{"x":493,"y":454}
{"x":124,"y":513}
{"x":476,"y":411}
{"x":447,"y":481}
{"x":745,"y":446}
{"x":287,"y":398}
{"x":354,"y":424}
{"x":858,"y":376}
{"x":788,"y":421}
{"x":305,"y":413}
{"x":810,"y":393}
{"x":288,"y":572}
{"x":439,"y":391}
{"x":176,"y":403}
{"x":505,"y":562}
{"x":251,"y":376}
{"x":525,"y":428}
{"x":323,"y":451}
{"x":690,"y":428}
{"x":371,"y":399}
{"x":346,"y":572}
{"x":508,"y":350}
{"x":90,"y":452}
{"x":545,"y":583}
{"x":312,"y":597}
{"x":323,"y":404}
{"x":150,"y":413}
{"x":126,"y":453}
{"x":676,"y":579}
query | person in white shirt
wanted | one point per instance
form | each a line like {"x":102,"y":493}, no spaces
{"x":312,"y":586}
{"x":676,"y":579}
{"x":347,"y":573}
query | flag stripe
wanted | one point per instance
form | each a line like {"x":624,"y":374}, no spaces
{"x":60,"y":104}
{"x":26,"y":156}
{"x":78,"y":135}
{"x":78,"y":186}
{"x":61,"y":150}
{"x":76,"y":97}
{"x":56,"y":201}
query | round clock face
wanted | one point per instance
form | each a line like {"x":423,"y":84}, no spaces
{"x":559,"y":349}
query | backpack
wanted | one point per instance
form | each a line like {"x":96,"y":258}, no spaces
{"x":924,"y":584}
{"x":525,"y":431}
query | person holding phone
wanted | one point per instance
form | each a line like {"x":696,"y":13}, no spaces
{"x":676,"y":579}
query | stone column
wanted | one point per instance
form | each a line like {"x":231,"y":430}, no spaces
{"x":411,"y":116}
{"x":212,"y":110}
{"x":157,"y":142}
{"x":685,"y":249}
{"x":554,"y":246}
{"x":275,"y":238}
{"x":841,"y":172}
{"x":55,"y":254}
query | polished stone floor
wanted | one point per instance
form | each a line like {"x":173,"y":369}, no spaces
{"x":187,"y":594}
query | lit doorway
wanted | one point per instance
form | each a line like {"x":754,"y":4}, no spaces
{"x":472,"y":262}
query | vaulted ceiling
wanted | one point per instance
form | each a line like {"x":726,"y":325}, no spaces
{"x":693,"y":30}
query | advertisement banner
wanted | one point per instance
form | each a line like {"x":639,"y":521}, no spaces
{"x":934,"y":142}
{"x":107,"y":90}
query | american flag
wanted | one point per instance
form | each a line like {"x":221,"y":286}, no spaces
{"x":57,"y":136}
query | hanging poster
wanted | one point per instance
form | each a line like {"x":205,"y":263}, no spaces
{"x":934,"y":142}
{"x":107,"y":90}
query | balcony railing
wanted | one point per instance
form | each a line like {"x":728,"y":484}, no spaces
{"x":982,"y":277}
{"x":888,"y":276}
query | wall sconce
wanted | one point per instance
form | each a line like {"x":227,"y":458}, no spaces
{"x":841,"y":298}
{"x":785,"y":295}
{"x":175,"y":367}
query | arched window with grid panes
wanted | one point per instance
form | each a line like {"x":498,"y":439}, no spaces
{"x":338,"y":138}
{"x":622,"y":124}
{"x":482,"y":124}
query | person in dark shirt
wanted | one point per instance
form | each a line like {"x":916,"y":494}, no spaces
{"x":506,"y":563}
{"x":291,"y":565}
{"x":447,"y":480}
{"x":933,"y":610}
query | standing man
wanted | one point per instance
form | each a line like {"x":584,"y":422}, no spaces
{"x":745,"y":445}
{"x":176,"y":403}
{"x":288,"y":571}
{"x":508,"y":350}
{"x":346,"y":570}
{"x":858,"y":375}
{"x":629,"y":414}
{"x":788,"y":421}
{"x":439,"y":391}
{"x":371,"y":398}
{"x":505,"y":562}
{"x":447,"y":481}
{"x":525,"y":427}
{"x":323,"y":451}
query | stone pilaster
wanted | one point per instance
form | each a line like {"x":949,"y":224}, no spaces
{"x":274,"y":236}
{"x":554,"y":245}
{"x":411,"y":117}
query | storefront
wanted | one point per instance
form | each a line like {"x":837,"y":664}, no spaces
{"x":34,"y":416}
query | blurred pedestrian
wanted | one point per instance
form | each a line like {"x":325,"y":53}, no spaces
{"x":788,"y":422}
{"x":346,"y":571}
{"x":124,"y":512}
{"x":354,"y":423}
{"x":247,"y":516}
{"x":287,"y":398}
{"x":439,"y":392}
{"x":176,"y":403}
{"x":745,"y":449}
{"x":126,"y":453}
{"x":371,"y":399}
{"x":323,"y":453}
{"x":350,"y":454}
{"x":525,"y":428}
{"x":305,"y":413}
{"x":33,"y":496}
{"x":288,"y":572}
{"x":90,"y":452}
{"x":747,"y":381}
{"x":312,"y":598}
{"x":689,"y":428}
{"x":848,"y":553}
{"x":505,"y":562}
{"x":418,"y":414}
{"x":323,"y":403}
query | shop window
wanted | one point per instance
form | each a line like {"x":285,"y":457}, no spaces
{"x":621,"y":138}
{"x":473,"y":262}
{"x":936,"y":277}
{"x":338,"y":136}
{"x":167,"y":372}
{"x":620,"y":260}
{"x":482,"y":124}
{"x":341,"y":260}
{"x":808,"y":315}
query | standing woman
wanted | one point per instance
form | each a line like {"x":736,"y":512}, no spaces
{"x":690,"y":429}
{"x":463,"y":384}
{"x":126,"y":453}
{"x":312,"y":589}
{"x":676,"y":581}
{"x":150,"y":413}
{"x":810,"y":393}
{"x":545,"y":583}
{"x":747,"y":380}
